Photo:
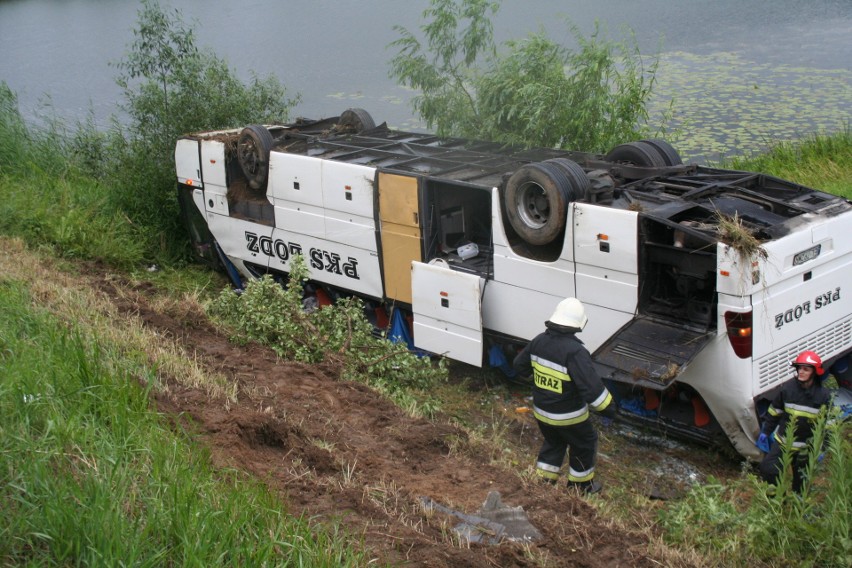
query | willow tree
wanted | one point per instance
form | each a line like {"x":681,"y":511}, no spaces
{"x":532,"y":91}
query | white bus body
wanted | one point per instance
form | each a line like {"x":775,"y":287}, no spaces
{"x":478,"y":243}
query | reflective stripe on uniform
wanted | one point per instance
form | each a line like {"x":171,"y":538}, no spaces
{"x":801,"y":411}
{"x":548,"y":375}
{"x":565,"y":419}
{"x":555,"y":367}
{"x":546,"y":470}
{"x":580,"y":476}
{"x":797,"y":445}
{"x":602,"y":401}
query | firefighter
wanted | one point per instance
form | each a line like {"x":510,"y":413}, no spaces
{"x":799,"y":400}
{"x":565,"y":386}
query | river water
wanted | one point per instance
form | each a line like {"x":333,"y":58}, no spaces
{"x":740,"y":73}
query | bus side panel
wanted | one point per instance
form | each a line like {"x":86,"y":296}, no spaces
{"x":353,"y":230}
{"x":336,"y":264}
{"x":514,"y":311}
{"x":239,"y":239}
{"x":447,"y":312}
{"x":399,"y":219}
{"x":524,"y":292}
{"x":295,"y":178}
{"x":551,"y":278}
{"x":348,"y":188}
{"x":213,"y":163}
{"x":187,"y":162}
{"x":300,"y":218}
{"x":521,"y":312}
{"x":724,"y":382}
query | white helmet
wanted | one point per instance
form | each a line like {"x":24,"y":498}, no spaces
{"x":570,"y":313}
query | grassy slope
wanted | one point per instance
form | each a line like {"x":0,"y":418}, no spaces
{"x":90,"y":474}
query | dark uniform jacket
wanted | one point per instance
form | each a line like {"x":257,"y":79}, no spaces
{"x":565,"y":381}
{"x":802,"y":405}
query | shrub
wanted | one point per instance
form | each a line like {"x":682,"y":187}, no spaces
{"x":273,"y":315}
{"x":45,"y":199}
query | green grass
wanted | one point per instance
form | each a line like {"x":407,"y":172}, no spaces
{"x":90,"y":475}
{"x":48,"y":201}
{"x":69,"y":214}
{"x":740,"y":523}
{"x":820,"y":161}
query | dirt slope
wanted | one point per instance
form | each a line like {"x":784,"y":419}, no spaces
{"x":336,"y":450}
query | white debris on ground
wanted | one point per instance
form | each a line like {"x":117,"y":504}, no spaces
{"x":493,"y":523}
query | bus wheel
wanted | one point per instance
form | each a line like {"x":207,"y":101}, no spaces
{"x":253,"y":147}
{"x":580,"y":182}
{"x":356,"y":119}
{"x":536,"y":199}
{"x":670,"y":156}
{"x":640,"y":154}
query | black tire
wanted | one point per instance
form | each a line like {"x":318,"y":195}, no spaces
{"x":253,"y":147}
{"x":356,"y":119}
{"x":637,"y":153}
{"x":670,"y":156}
{"x":536,"y":201}
{"x":580,"y":182}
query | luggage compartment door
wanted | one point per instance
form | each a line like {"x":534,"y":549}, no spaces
{"x":400,"y":237}
{"x":649,"y":352}
{"x":447,"y":310}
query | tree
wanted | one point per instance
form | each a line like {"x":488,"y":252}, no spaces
{"x":532,"y":92}
{"x":170,"y":88}
{"x":445,"y":71}
{"x":161,"y":48}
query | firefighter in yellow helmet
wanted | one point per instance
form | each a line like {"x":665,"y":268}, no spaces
{"x":566,"y":386}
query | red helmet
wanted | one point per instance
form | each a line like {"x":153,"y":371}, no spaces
{"x":809,"y":358}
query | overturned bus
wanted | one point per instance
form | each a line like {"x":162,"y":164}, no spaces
{"x":701,"y":284}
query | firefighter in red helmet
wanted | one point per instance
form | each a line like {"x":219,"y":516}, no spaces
{"x":799,"y":401}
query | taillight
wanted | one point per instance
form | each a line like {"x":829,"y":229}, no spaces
{"x":739,"y":332}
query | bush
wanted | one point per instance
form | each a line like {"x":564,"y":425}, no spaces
{"x":47,"y":201}
{"x":273,"y":315}
{"x":24,"y":150}
{"x":170,"y":88}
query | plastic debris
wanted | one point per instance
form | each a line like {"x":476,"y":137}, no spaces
{"x":636,"y":406}
{"x":492,"y":524}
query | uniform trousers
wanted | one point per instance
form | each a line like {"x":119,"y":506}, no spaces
{"x":580,"y":441}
